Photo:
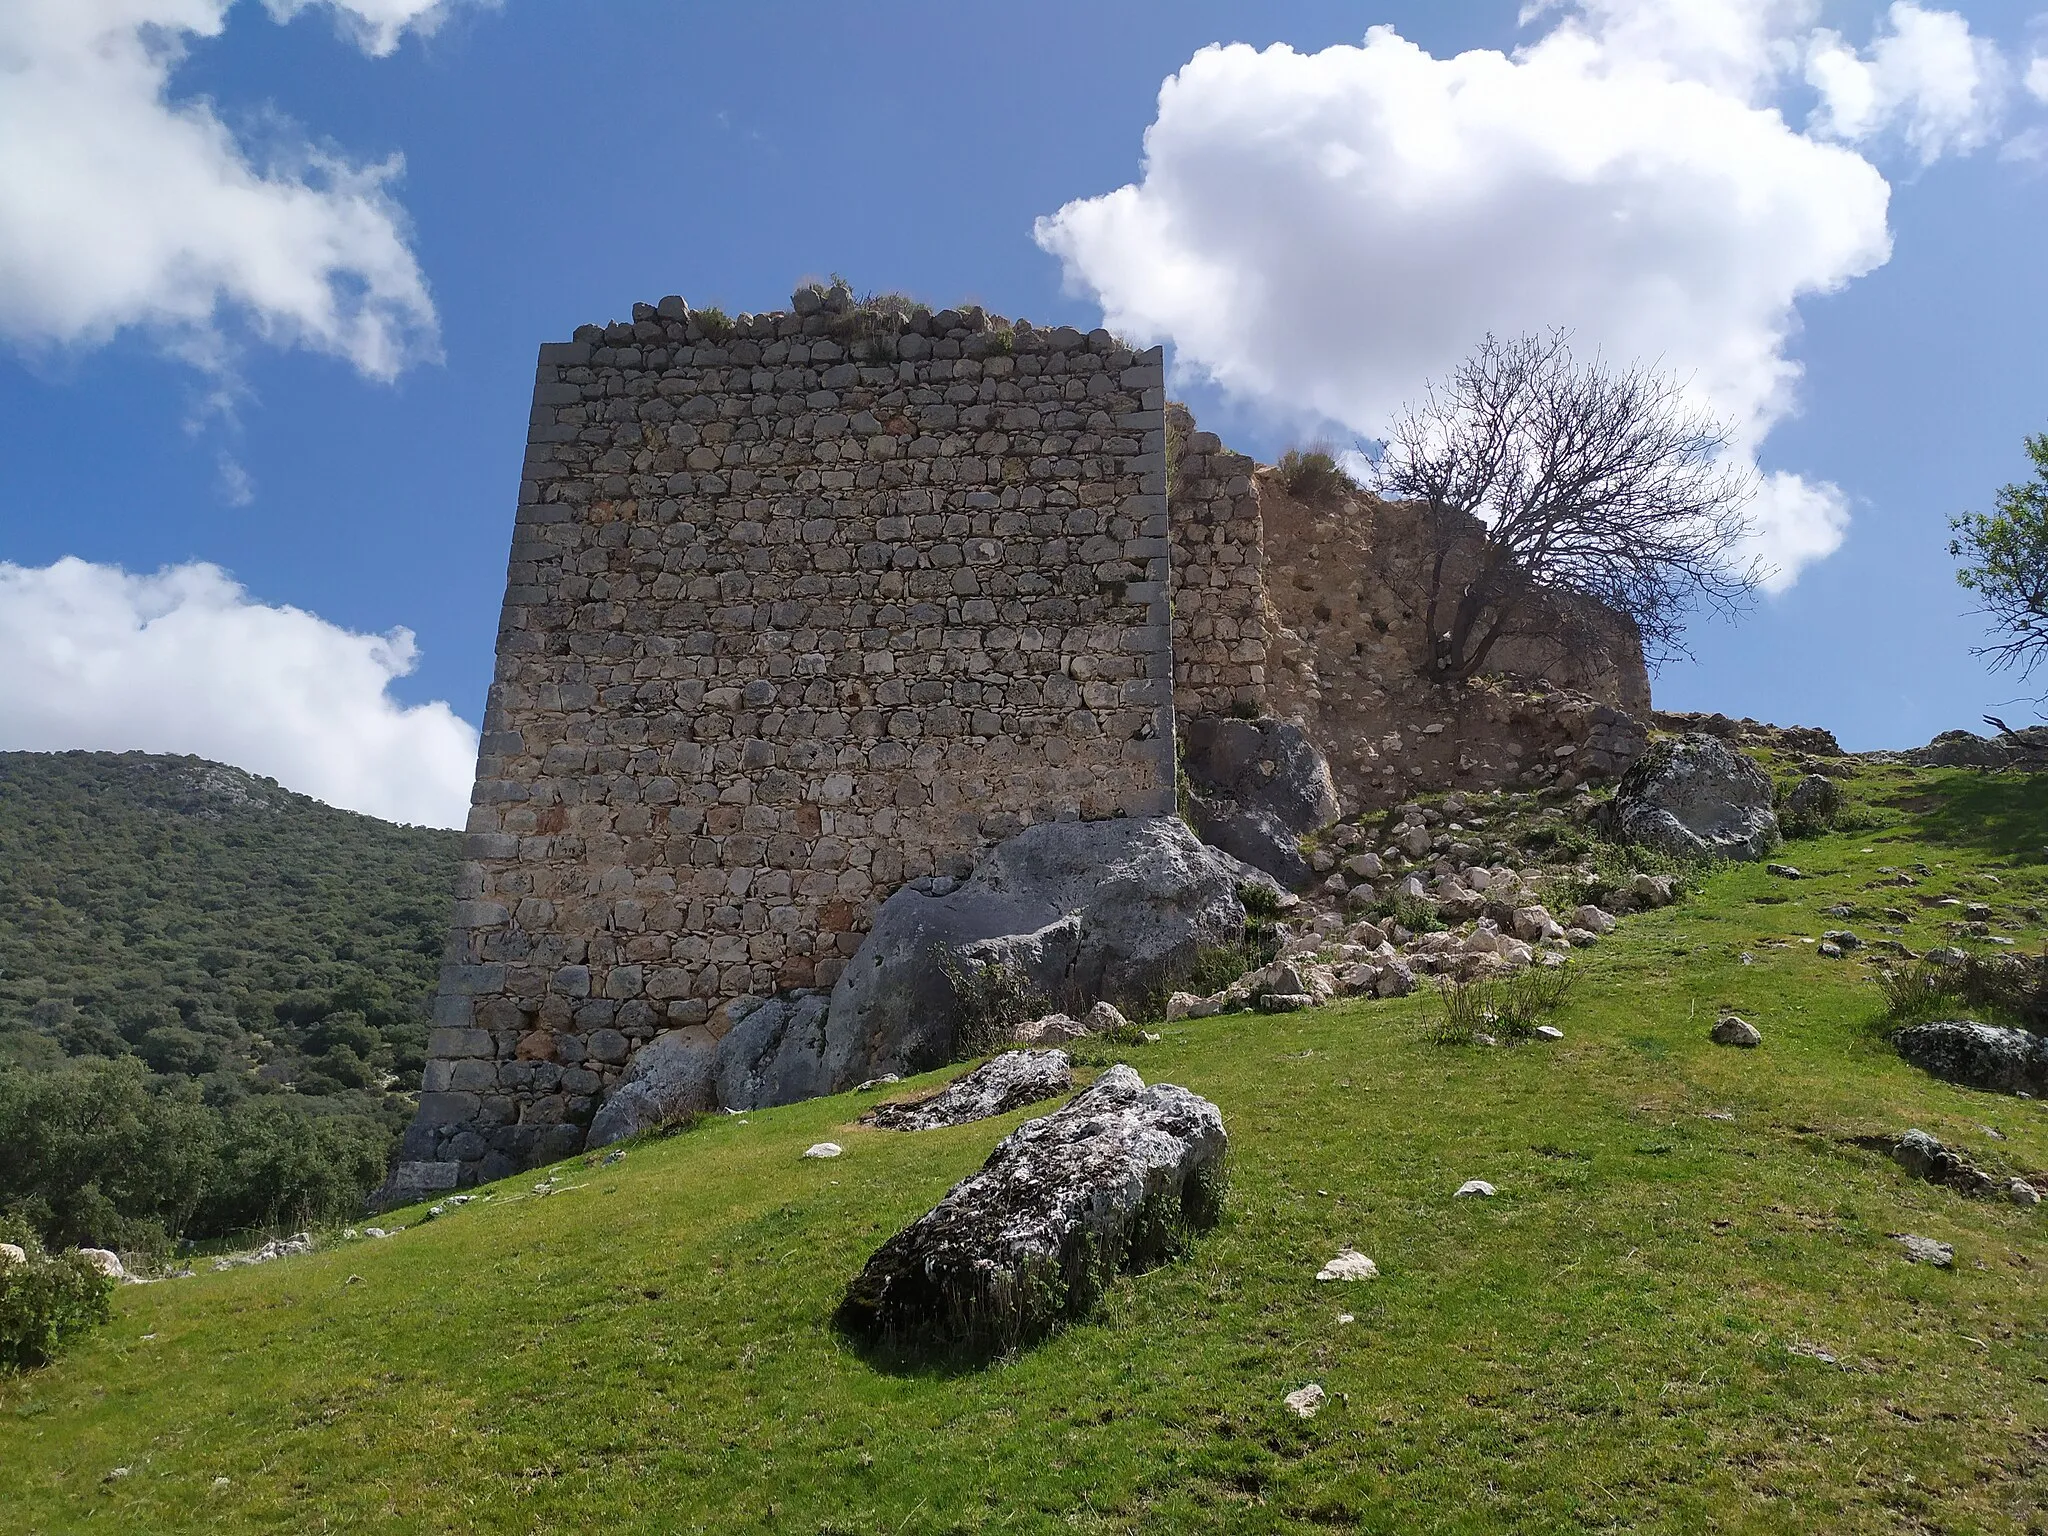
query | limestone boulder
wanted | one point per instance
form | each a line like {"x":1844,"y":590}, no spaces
{"x":1258,"y":787}
{"x":1114,"y":1182}
{"x":1696,"y":797}
{"x":776,"y":1053}
{"x":1960,"y":749}
{"x":997,"y":1086}
{"x":1978,"y":1055}
{"x":1063,"y":915}
{"x":670,"y":1078}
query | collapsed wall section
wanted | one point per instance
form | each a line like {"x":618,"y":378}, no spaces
{"x":798,"y":608}
{"x":1347,"y":587}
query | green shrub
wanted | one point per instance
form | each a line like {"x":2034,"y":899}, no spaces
{"x":1809,"y":806}
{"x":1417,"y":914}
{"x":1313,"y":475}
{"x":991,"y":998}
{"x":1998,"y":989}
{"x":46,"y":1302}
{"x":1506,"y":1009}
{"x":714,"y":322}
{"x":1609,"y":866}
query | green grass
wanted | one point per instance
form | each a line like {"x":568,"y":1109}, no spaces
{"x":1621,"y":1340}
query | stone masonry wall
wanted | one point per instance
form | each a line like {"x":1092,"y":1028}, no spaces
{"x":798,"y":608}
{"x":1346,"y":588}
{"x":1218,"y":579}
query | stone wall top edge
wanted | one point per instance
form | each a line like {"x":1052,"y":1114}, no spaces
{"x":652,"y":323}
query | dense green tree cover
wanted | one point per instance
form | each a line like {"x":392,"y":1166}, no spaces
{"x":213,"y":995}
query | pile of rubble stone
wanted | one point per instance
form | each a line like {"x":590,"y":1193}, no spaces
{"x":1481,"y":908}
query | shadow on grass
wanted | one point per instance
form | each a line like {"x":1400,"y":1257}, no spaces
{"x":2002,"y":814}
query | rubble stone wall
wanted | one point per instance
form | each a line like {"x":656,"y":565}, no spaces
{"x":1346,"y":585}
{"x":799,"y":608}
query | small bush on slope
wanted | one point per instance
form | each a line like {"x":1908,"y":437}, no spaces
{"x":46,"y":1302}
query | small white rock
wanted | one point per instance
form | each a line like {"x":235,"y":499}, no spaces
{"x":1549,"y":1032}
{"x":1349,"y":1264}
{"x":11,"y":1253}
{"x":824,"y":1149}
{"x":1307,"y":1402}
{"x":1475,"y":1187}
{"x":105,"y":1260}
{"x":1345,"y":1317}
{"x":2020,"y":1192}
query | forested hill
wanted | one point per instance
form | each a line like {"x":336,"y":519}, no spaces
{"x":239,"y":942}
{"x":206,"y":919}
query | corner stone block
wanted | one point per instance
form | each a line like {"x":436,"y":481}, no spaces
{"x":448,"y":1108}
{"x":490,"y":845}
{"x":564,"y":354}
{"x":421,"y":1178}
{"x":456,"y":1044}
{"x":473,"y":980}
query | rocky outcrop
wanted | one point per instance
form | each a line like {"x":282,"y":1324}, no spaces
{"x":1925,"y":1157}
{"x":1257,"y":787}
{"x":775,"y":1052}
{"x":1115,"y":1181}
{"x":2025,"y":750}
{"x":1063,"y":914}
{"x":671,"y":1078}
{"x":1741,"y":731}
{"x":1009,"y":1081}
{"x":1696,"y":797}
{"x":1978,"y":1055}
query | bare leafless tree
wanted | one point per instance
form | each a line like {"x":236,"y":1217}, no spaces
{"x":1544,"y":480}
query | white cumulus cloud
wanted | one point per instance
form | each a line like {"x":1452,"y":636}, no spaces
{"x":121,"y":206}
{"x":186,"y":661}
{"x":376,"y":25}
{"x":1926,"y":75}
{"x":1324,"y":232}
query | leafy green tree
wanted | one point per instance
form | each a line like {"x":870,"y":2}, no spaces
{"x":2005,"y":562}
{"x":277,"y":1165}
{"x":90,"y":1156}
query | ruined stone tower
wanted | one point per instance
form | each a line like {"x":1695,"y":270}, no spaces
{"x":807,"y":605}
{"x":799,"y":607}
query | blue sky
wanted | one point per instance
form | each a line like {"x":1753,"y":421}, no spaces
{"x":561,"y":162}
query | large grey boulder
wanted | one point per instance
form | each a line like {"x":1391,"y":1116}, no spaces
{"x":1009,"y":1081}
{"x":775,"y":1053}
{"x":1257,"y":787}
{"x":1696,"y":797}
{"x":1978,"y":1055}
{"x":1115,"y":1181}
{"x":1063,"y":915}
{"x":670,"y":1078}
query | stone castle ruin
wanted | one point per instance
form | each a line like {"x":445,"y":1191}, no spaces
{"x":805,"y":606}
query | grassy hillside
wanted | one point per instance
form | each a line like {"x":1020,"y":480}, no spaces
{"x":1683,"y":1311}
{"x":232,"y":940}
